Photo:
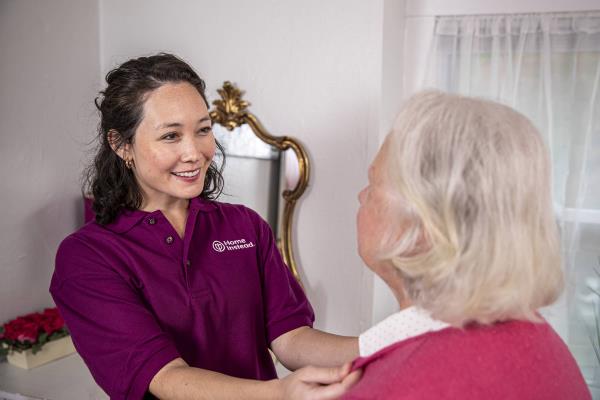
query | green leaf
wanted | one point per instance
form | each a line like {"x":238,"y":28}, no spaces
{"x":36,"y":347}
{"x":4,"y":349}
{"x":43,"y":338}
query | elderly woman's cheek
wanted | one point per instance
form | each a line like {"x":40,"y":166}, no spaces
{"x":360,"y":231}
{"x":367,"y":235}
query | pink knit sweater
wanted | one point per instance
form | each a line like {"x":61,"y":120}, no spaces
{"x":509,"y":360}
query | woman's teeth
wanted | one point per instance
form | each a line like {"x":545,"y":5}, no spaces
{"x":190,"y":174}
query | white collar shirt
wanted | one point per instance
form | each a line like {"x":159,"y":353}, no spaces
{"x":410,"y":322}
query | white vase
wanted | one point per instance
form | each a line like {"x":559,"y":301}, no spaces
{"x":50,"y":351}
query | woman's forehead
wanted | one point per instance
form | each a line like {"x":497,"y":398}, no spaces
{"x":173,"y":104}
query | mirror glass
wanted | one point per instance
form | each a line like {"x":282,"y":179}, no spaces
{"x":256,"y":173}
{"x":264,"y":172}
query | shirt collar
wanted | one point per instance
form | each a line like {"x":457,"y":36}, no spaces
{"x":410,"y":322}
{"x":127,"y":219}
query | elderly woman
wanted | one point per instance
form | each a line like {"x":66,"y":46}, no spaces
{"x":457,"y":220}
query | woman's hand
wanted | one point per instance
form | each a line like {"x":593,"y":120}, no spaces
{"x":178,"y":381}
{"x":319,"y":383}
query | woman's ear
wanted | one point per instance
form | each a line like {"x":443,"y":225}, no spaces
{"x":119,"y":146}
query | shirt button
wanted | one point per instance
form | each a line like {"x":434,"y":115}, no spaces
{"x":169,"y":239}
{"x":151,"y":221}
{"x":188,"y":263}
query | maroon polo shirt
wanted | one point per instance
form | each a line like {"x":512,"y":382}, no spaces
{"x":135,"y":295}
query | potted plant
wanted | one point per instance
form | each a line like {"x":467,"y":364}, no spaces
{"x":35,"y":339}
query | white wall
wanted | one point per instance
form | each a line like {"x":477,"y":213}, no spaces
{"x":311,"y":69}
{"x":48,"y":76}
{"x":392,"y":83}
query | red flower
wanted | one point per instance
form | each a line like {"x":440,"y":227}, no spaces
{"x":27,"y":328}
{"x":14,"y":328}
{"x":33,"y":317}
{"x":52,"y":325}
{"x":51,"y":321}
{"x":51,"y":312}
{"x":28,"y":333}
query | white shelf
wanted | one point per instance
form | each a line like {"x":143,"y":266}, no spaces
{"x":64,"y":379}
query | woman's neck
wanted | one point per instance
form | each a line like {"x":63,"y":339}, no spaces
{"x":175,"y":211}
{"x":178,"y":218}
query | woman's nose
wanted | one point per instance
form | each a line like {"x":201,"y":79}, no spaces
{"x":190,"y":151}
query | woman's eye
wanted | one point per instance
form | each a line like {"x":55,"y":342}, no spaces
{"x":205,"y":131}
{"x":170,"y":136}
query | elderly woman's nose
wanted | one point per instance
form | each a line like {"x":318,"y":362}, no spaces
{"x":361,"y":195}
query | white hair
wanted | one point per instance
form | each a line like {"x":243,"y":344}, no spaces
{"x":475,"y":177}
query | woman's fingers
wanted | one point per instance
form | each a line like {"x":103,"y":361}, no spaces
{"x":345,"y":369}
{"x":335,"y":390}
{"x":351,"y":379}
{"x":323,"y":376}
{"x":319,"y":383}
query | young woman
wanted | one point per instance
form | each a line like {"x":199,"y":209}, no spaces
{"x":156,"y":304}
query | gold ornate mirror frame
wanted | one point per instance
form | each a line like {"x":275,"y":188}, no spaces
{"x":231,"y":111}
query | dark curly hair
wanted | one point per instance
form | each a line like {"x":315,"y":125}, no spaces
{"x":112,"y":185}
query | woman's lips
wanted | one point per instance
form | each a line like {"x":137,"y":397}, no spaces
{"x":187,"y":176}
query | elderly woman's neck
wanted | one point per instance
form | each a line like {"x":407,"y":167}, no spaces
{"x":401,"y":297}
{"x":393,"y":279}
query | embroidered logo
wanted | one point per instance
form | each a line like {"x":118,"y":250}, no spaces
{"x":218,"y":246}
{"x":230,"y":245}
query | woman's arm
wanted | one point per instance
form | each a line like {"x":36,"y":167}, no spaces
{"x":178,"y":381}
{"x":306,"y":346}
{"x":289,"y":314}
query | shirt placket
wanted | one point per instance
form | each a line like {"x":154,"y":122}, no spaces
{"x":187,"y":239}
{"x":169,"y":240}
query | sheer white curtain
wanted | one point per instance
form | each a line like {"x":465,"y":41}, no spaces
{"x":548,"y":67}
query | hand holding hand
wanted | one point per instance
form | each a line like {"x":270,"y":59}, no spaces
{"x":319,"y":383}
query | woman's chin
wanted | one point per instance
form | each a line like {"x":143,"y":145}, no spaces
{"x":189,"y":189}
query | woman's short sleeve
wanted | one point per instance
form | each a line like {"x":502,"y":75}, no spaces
{"x":286,"y":305}
{"x":114,"y":332}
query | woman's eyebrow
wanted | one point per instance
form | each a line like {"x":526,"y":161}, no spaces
{"x":169,"y":125}
{"x":179,"y":124}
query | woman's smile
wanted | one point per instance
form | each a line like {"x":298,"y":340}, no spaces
{"x":187,"y":174}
